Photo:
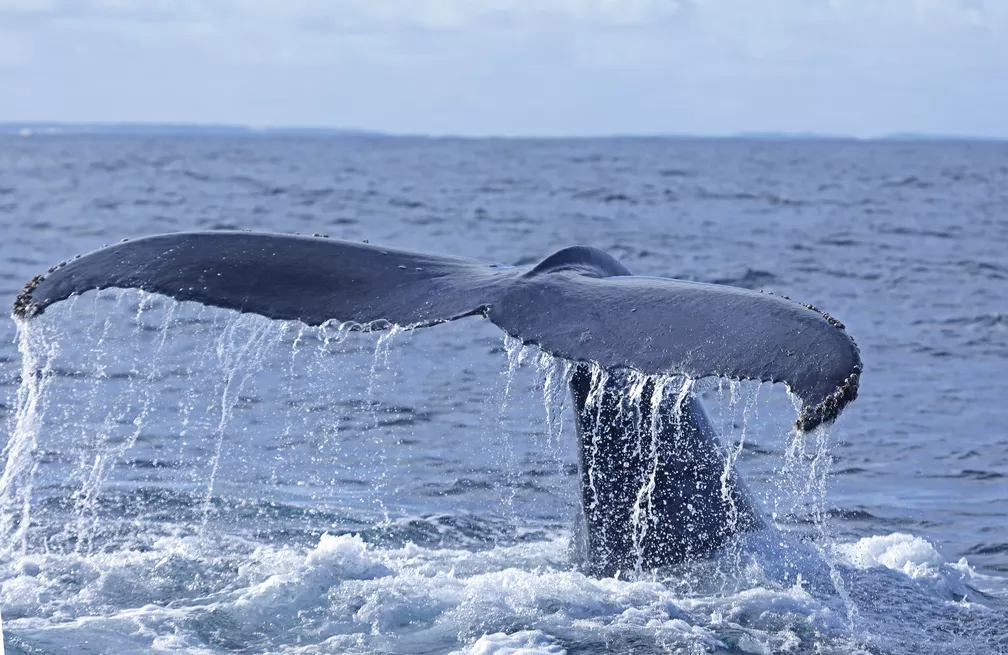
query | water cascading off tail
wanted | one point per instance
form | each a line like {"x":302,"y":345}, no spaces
{"x":655,"y":436}
{"x":654,"y":485}
{"x":38,"y":350}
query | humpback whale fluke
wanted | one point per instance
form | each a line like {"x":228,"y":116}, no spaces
{"x":580,"y":304}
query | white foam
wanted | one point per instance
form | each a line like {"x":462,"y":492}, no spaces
{"x":201,"y":594}
{"x":333,"y":560}
{"x":911,"y":555}
{"x":524,"y":642}
{"x":918,"y":560}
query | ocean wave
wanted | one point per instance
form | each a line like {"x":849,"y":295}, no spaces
{"x":191,"y":592}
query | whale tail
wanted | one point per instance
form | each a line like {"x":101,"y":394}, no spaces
{"x":580,"y":304}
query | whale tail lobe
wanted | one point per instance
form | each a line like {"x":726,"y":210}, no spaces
{"x":579,"y":304}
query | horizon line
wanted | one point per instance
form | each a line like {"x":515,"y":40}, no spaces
{"x":157,"y":128}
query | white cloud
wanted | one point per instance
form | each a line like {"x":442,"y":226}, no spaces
{"x":860,"y":66}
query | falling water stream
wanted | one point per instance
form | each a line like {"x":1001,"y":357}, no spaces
{"x":37,"y":353}
{"x":293,"y":469}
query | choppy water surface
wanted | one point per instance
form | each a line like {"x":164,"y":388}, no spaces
{"x":178,"y":478}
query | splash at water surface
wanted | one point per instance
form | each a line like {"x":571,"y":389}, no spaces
{"x":234,"y":483}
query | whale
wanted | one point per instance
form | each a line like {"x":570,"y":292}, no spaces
{"x":656,"y":488}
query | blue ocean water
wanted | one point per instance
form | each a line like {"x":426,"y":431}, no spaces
{"x":179,"y":478}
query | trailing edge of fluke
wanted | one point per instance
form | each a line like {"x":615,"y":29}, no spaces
{"x":579,"y":303}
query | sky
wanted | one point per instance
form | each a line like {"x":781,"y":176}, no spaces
{"x":514,"y":67}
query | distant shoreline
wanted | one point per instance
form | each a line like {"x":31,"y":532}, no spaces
{"x":30,"y":128}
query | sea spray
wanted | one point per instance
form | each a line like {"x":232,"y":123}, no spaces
{"x":240,"y":350}
{"x":556,"y":376}
{"x":328,"y":366}
{"x":380,"y":357}
{"x":310,"y":354}
{"x":102,"y":324}
{"x":99,"y":368}
{"x":816,"y":487}
{"x":638,"y":395}
{"x":108,"y":453}
{"x":189,"y":409}
{"x":643,"y":509}
{"x":289,"y":417}
{"x":765,"y":611}
{"x":732,"y":452}
{"x":802,"y":484}
{"x":516,"y":354}
{"x":593,"y":403}
{"x":632,"y":402}
{"x":38,"y":350}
